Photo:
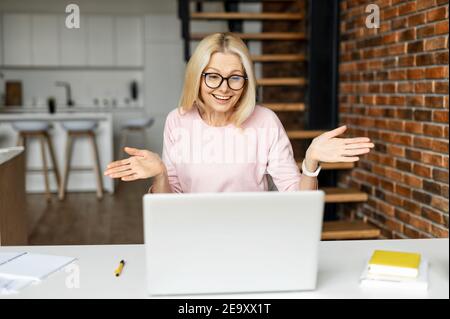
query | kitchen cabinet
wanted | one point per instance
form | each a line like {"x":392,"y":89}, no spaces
{"x":128,"y":41}
{"x":17,"y":39}
{"x":44,"y":39}
{"x":73,"y":44}
{"x":100,"y":40}
{"x":13,"y":223}
{"x":41,"y":40}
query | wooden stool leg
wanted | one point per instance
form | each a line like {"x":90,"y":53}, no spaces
{"x":96,"y":165}
{"x":20,"y":140}
{"x":45,"y":167}
{"x":123,"y":143}
{"x":54,"y":161}
{"x":144,"y":138}
{"x":62,"y":186}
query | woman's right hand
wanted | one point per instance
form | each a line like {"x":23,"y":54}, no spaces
{"x":142,"y":164}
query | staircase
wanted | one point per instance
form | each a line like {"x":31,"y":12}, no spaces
{"x":288,"y":111}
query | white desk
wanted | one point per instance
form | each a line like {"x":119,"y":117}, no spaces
{"x":340,"y":266}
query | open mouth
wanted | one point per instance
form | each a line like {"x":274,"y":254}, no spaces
{"x":221,"y":98}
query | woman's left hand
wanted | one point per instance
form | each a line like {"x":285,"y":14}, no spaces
{"x":328,"y":148}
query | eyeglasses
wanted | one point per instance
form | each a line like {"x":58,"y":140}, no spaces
{"x":215,"y":80}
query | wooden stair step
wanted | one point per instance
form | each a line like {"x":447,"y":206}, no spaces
{"x":340,"y":230}
{"x":259,"y":36}
{"x":245,"y":16}
{"x":330,"y":166}
{"x":281,"y":81}
{"x":278,"y":58}
{"x":284,"y":107}
{"x":304,"y":134}
{"x":344,"y":195}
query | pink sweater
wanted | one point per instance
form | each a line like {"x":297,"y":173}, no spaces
{"x":204,"y":158}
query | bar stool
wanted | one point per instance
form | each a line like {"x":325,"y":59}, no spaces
{"x":39,"y":129}
{"x":137,"y":125}
{"x":74,"y":130}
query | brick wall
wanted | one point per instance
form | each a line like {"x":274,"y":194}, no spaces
{"x":394,"y":89}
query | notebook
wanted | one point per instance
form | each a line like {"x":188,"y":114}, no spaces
{"x":393,"y":283}
{"x":8,"y":256}
{"x":394,"y":263}
{"x":34,"y":267}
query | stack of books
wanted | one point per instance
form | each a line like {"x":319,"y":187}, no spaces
{"x":393,"y":269}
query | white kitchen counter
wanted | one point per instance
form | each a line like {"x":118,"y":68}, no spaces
{"x":81,"y":176}
{"x":10,"y":152}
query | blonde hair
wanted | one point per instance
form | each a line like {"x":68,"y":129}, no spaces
{"x":224,"y":43}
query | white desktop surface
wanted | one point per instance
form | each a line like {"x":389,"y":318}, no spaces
{"x":340,"y":266}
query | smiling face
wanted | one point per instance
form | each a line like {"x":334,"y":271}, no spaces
{"x":222,"y":99}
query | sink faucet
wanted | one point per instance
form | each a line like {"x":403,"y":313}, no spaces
{"x":66,"y":85}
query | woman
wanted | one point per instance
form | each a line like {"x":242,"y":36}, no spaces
{"x":218,"y":140}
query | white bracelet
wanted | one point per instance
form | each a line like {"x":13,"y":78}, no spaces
{"x":308,"y":173}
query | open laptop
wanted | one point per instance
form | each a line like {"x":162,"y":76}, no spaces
{"x":232,"y":242}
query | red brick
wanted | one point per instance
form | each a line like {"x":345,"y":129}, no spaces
{"x":405,"y":61}
{"x":420,"y":223}
{"x":423,"y":87}
{"x":425,"y":59}
{"x":440,"y":203}
{"x":412,"y":180}
{"x":420,"y":170}
{"x":410,"y":232}
{"x":440,"y":175}
{"x":439,"y":231}
{"x":422,"y":115}
{"x":411,"y":207}
{"x":434,"y":101}
{"x":433,"y":130}
{"x":432,"y":159}
{"x":432,"y":187}
{"x":432,"y":215}
{"x":406,"y":35}
{"x":394,"y":225}
{"x":438,"y":72}
{"x":415,"y":74}
{"x":440,"y":116}
{"x":388,"y":87}
{"x":416,"y":46}
{"x":395,"y":150}
{"x":397,"y":49}
{"x":425,"y":31}
{"x":441,"y":87}
{"x":414,"y":127}
{"x":416,"y":100}
{"x":413,"y":155}
{"x":441,"y":57}
{"x":403,"y":190}
{"x":416,"y":19}
{"x":424,"y":4}
{"x":440,"y":146}
{"x":407,"y":8}
{"x":405,"y":87}
{"x":437,"y":14}
{"x":435,"y":43}
{"x":441,"y":27}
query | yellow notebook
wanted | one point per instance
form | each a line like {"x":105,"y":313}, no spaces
{"x":394,"y":263}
